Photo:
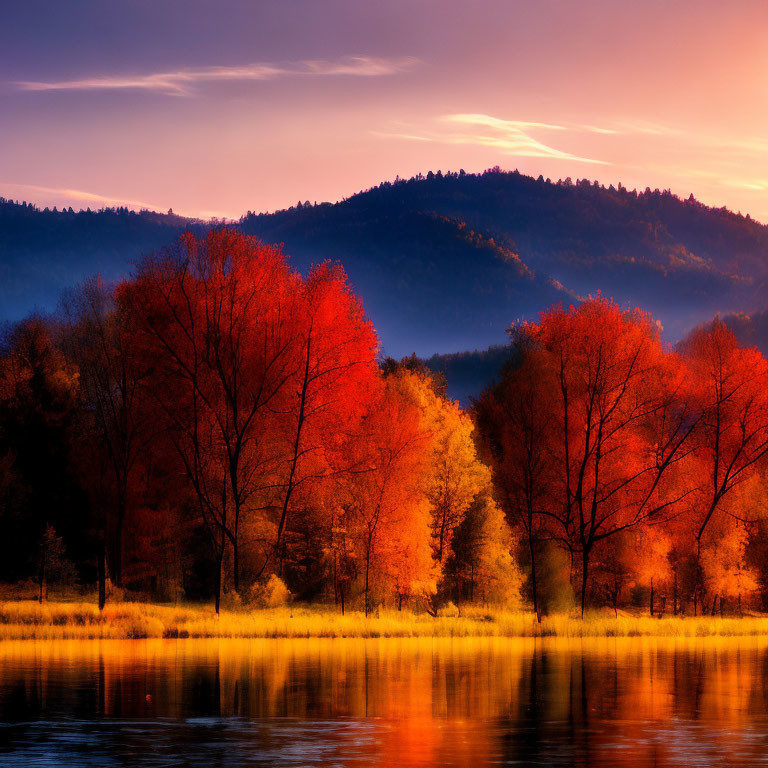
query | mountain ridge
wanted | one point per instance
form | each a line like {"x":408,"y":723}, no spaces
{"x":443,"y":262}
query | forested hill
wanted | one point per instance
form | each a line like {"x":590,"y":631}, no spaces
{"x":751,"y":329}
{"x":445,"y":262}
{"x":449,"y":256}
{"x":429,"y":282}
{"x":43,"y":252}
{"x":467,"y":374}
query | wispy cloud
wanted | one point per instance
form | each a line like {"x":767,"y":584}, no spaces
{"x":182,"y":81}
{"x":651,"y":129}
{"x":499,"y":124}
{"x":597,"y":129}
{"x":510,"y":137}
{"x":755,"y":185}
{"x":62,"y":193}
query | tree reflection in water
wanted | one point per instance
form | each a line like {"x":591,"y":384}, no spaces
{"x":606,"y":702}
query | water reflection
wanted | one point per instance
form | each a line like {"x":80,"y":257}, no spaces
{"x":640,"y":702}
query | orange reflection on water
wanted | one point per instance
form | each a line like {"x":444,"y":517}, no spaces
{"x":635,"y":701}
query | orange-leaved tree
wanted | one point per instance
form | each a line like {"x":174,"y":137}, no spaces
{"x":455,"y":475}
{"x":218,"y":318}
{"x":480,"y":562}
{"x":514,"y":421}
{"x":729,"y":385}
{"x":383,"y":497}
{"x":337,"y":376}
{"x":618,"y":424}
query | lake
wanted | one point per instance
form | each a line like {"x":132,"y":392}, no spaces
{"x":441,"y":702}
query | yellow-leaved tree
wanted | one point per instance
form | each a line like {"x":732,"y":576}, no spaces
{"x":652,"y":568}
{"x":480,"y":562}
{"x":455,"y":473}
{"x":725,"y":570}
{"x":385,"y":513}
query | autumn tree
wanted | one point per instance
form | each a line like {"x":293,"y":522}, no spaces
{"x":217,"y":318}
{"x":650,"y":560}
{"x":53,"y":564}
{"x":480,"y":562}
{"x":728,"y":384}
{"x":514,"y":422}
{"x":114,"y":427}
{"x":725,"y":569}
{"x":618,"y":425}
{"x":383,"y":497}
{"x":612,"y":566}
{"x":455,"y":475}
{"x":337,"y":372}
{"x":339,"y":548}
{"x":38,"y":484}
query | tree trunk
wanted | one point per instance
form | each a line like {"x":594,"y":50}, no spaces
{"x":674,"y":596}
{"x":102,"y":574}
{"x":296,"y":443}
{"x":43,"y":597}
{"x":341,"y":591}
{"x":235,"y":565}
{"x":714,"y":604}
{"x":116,"y":567}
{"x":335,"y":580}
{"x":651,"y":596}
{"x":533,"y":578}
{"x":697,"y":593}
{"x":584,"y":576}
{"x":219,"y":568}
{"x":367,"y":569}
{"x":217,"y":599}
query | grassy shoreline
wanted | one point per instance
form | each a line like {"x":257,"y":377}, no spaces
{"x":27,"y":619}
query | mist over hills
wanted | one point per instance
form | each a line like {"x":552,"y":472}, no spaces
{"x":467,"y":374}
{"x":43,"y":252}
{"x":750,"y":329}
{"x":429,"y":282}
{"x":679,"y":259}
{"x":443,"y":262}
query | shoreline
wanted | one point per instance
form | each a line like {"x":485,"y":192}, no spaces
{"x":30,"y":620}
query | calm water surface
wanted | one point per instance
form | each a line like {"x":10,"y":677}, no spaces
{"x":477,"y":702}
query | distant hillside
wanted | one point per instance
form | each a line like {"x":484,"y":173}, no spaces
{"x":429,"y":282}
{"x":467,"y":374}
{"x":446,"y":262}
{"x":750,"y":329}
{"x":678,"y":259}
{"x":45,"y":251}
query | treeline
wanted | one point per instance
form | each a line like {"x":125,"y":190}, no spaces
{"x":26,"y":226}
{"x":219,"y":426}
{"x":42,"y":252}
{"x":467,"y":374}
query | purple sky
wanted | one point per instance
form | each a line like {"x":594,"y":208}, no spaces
{"x":214,"y":108}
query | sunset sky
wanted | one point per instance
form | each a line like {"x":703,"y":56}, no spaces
{"x":218,"y":108}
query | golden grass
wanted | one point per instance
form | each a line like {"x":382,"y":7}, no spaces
{"x":26,"y":619}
